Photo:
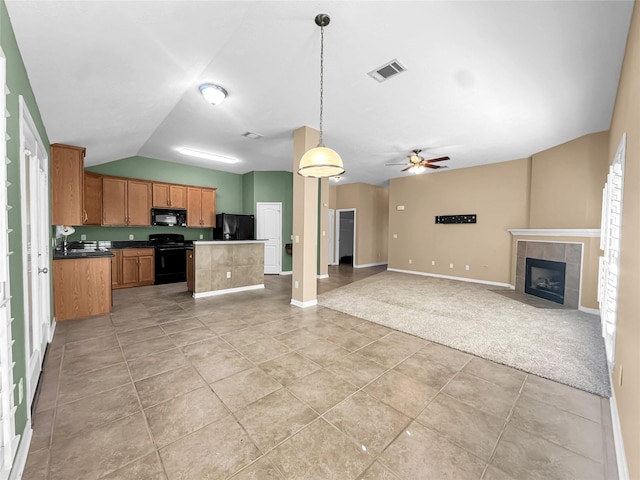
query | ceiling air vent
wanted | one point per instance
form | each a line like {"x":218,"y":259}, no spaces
{"x":386,"y":71}
{"x":253,"y":135}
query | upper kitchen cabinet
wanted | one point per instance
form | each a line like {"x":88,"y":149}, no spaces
{"x":166,"y":195}
{"x":201,"y":207}
{"x":67,"y":179}
{"x":92,"y":199}
{"x":126,"y":202}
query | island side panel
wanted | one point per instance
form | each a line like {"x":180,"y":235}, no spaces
{"x":243,"y":263}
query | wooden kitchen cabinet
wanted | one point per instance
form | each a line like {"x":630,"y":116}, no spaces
{"x":126,"y":202}
{"x":201,"y":207}
{"x":166,"y":195}
{"x":190,"y":272}
{"x":67,"y":179}
{"x":92,"y":199}
{"x":81,"y":287}
{"x":116,"y":269}
{"x":137,"y":267}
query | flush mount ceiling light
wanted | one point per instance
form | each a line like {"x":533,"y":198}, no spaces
{"x":321,"y":161}
{"x":208,"y":156}
{"x":212,"y":93}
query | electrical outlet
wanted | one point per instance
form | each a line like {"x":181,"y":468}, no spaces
{"x":201,"y":236}
{"x":295,"y":284}
{"x":433,"y":262}
{"x":228,"y":274}
{"x":410,"y":261}
{"x":20,"y":391}
{"x":466,"y":267}
{"x":451,"y":265}
{"x":131,"y":236}
{"x":83,"y":237}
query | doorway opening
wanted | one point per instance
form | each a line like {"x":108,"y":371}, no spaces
{"x":346,"y":236}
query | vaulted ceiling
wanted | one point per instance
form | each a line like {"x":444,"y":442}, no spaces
{"x":484,"y":82}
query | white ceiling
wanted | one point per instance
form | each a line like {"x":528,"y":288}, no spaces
{"x":485,"y":81}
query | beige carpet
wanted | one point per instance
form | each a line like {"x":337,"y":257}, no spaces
{"x":561,"y":345}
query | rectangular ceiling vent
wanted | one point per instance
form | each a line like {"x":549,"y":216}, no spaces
{"x":386,"y":71}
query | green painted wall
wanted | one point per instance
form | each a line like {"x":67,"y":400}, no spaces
{"x":248,"y":202}
{"x":18,"y":83}
{"x":276,"y":187}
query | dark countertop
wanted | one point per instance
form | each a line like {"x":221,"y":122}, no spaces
{"x":58,"y":255}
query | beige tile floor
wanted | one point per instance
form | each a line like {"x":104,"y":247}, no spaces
{"x":245,"y":386}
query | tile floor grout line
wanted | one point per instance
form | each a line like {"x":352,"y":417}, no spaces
{"x":144,"y":418}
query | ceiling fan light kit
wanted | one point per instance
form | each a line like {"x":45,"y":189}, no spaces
{"x":321,"y":161}
{"x":417,"y":164}
{"x":212,"y":93}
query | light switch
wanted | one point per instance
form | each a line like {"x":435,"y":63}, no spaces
{"x":297,"y":239}
{"x":395,"y":235}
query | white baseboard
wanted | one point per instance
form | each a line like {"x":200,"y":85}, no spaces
{"x":213,"y":293}
{"x":322,"y":277}
{"x":310,"y":303}
{"x":286,"y":273}
{"x":20,"y":459}
{"x":449,"y":277}
{"x":621,"y":459}
{"x":592,"y":311}
{"x":365,"y":265}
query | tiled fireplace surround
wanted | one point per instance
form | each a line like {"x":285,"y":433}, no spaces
{"x":570,"y":253}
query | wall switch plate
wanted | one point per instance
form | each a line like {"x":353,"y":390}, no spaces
{"x":297,"y":239}
{"x":295,"y":284}
{"x":228,"y":274}
{"x":410,"y":261}
{"x":395,"y":235}
{"x":466,"y":267}
{"x":451,"y":265}
{"x":201,"y":236}
{"x":131,"y":236}
{"x":400,"y":207}
{"x":433,"y":262}
{"x":83,"y":237}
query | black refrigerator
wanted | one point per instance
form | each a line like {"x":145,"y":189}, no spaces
{"x":230,"y":226}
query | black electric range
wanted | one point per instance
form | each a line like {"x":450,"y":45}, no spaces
{"x":170,"y":257}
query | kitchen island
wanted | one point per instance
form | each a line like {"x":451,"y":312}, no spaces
{"x":81,"y":283}
{"x":225,"y":266}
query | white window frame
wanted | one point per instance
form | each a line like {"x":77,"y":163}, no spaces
{"x":611,"y":232}
{"x":8,"y":439}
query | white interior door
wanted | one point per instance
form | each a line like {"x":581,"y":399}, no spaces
{"x":270,"y":229}
{"x":35,"y":241}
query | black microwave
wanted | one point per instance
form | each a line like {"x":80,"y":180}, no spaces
{"x":168,"y":217}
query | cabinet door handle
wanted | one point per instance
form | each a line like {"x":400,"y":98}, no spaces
{"x":85,"y":215}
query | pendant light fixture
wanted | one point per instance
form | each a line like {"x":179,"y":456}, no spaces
{"x":321,"y":161}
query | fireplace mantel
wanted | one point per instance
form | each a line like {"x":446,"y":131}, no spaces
{"x":555,"y":232}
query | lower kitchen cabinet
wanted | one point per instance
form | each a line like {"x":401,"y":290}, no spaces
{"x":136,"y":267}
{"x":81,"y":287}
{"x":190,"y":272}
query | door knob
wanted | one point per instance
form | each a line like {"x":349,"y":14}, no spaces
{"x":43,"y":270}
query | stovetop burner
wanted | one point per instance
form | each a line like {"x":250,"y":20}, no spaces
{"x":166,"y":239}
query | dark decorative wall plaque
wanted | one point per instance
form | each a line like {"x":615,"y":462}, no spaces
{"x":468,"y":218}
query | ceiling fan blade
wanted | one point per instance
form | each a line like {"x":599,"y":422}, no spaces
{"x":428,"y":165}
{"x":438,"y":159}
{"x":390,"y":164}
{"x":405,"y":169}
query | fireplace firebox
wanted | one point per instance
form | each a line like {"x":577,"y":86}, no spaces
{"x":545,"y":279}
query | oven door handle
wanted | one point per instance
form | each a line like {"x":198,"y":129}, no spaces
{"x":168,"y":249}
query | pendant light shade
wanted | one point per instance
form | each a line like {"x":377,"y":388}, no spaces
{"x":321,"y":161}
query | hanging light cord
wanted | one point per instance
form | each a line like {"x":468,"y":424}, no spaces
{"x":321,"y":79}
